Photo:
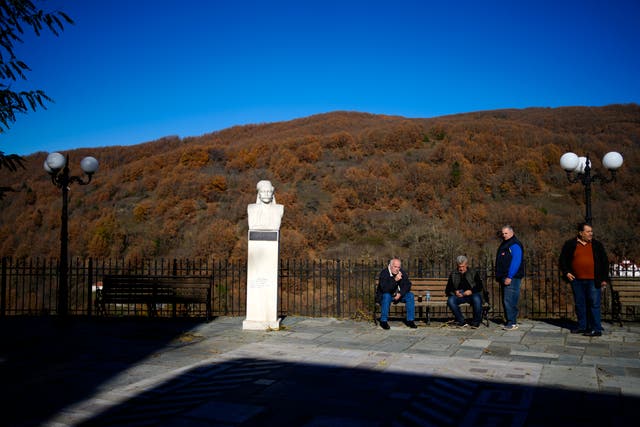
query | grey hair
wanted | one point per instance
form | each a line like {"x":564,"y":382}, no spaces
{"x":461,"y":259}
{"x":507,"y":226}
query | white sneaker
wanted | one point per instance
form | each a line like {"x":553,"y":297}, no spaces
{"x":510,"y":328}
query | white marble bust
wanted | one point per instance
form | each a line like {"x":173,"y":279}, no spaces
{"x":265,"y":213}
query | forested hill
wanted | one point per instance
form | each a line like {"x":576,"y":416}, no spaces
{"x":354,"y":185}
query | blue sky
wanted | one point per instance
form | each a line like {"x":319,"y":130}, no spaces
{"x":132,"y":71}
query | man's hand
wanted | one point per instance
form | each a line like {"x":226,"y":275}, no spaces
{"x":398,"y":276}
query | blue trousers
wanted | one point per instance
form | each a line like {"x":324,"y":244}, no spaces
{"x":476,"y":302}
{"x":510,"y":298}
{"x":586,"y":298}
{"x":408,"y":300}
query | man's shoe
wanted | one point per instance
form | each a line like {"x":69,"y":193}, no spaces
{"x":385,"y":325}
{"x":510,"y":328}
{"x":593,"y":334}
{"x":578,"y":331}
{"x":411,"y":324}
{"x":475,"y":325}
{"x":462,"y":325}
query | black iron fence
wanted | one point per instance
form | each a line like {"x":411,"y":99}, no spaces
{"x":325,"y":288}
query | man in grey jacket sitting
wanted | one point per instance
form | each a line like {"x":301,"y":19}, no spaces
{"x":465,"y":286}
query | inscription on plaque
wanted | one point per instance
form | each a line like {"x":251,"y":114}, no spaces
{"x":258,"y":283}
{"x":271,"y":236}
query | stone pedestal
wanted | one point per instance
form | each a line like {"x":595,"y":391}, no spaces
{"x":262,"y":281}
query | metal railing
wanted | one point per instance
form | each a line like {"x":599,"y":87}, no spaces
{"x":324,"y":288}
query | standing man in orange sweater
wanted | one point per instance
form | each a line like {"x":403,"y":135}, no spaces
{"x":584,"y":264}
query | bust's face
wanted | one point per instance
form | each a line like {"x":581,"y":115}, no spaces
{"x":265,"y":194}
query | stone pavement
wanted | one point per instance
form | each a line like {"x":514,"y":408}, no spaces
{"x":313,"y":372}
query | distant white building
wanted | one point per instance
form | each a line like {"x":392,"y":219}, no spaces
{"x":625,"y":268}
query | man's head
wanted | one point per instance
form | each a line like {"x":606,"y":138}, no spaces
{"x":265,"y":191}
{"x":585,"y":232}
{"x":394,"y":266}
{"x":463,"y":263}
{"x":507,"y":232}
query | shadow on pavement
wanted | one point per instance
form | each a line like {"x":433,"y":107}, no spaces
{"x":47,"y":364}
{"x":563,"y":323}
{"x":253,"y":392}
{"x":47,"y":367}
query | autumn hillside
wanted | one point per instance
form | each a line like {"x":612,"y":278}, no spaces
{"x":354,"y":185}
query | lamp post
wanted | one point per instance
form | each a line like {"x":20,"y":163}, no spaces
{"x":57,"y":166}
{"x":578,"y":169}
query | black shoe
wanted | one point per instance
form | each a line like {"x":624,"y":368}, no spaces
{"x":578,"y":331}
{"x":385,"y":325}
{"x":411,"y":324}
{"x":593,"y":334}
{"x":475,"y":325}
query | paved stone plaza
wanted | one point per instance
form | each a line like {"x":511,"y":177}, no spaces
{"x":314,"y":372}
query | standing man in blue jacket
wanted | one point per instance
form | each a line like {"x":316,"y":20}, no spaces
{"x":509,"y":273}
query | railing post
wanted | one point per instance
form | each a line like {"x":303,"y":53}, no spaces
{"x":3,"y":294}
{"x":338,"y":296}
{"x":90,"y":288}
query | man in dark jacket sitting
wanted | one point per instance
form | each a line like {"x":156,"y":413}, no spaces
{"x":464,"y":286}
{"x":394,"y":286}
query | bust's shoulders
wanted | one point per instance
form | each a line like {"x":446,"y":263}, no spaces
{"x":266,"y":205}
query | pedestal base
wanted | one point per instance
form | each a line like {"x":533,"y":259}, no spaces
{"x":256,"y":325}
{"x":262,"y":281}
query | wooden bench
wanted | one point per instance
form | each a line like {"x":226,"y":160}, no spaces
{"x":152,"y":290}
{"x":622,"y":298}
{"x":434,"y":287}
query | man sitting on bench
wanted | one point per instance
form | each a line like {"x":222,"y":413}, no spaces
{"x":464,"y":286}
{"x":394,"y":286}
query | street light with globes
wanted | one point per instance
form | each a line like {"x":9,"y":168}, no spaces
{"x":578,"y":169}
{"x":57,"y":166}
